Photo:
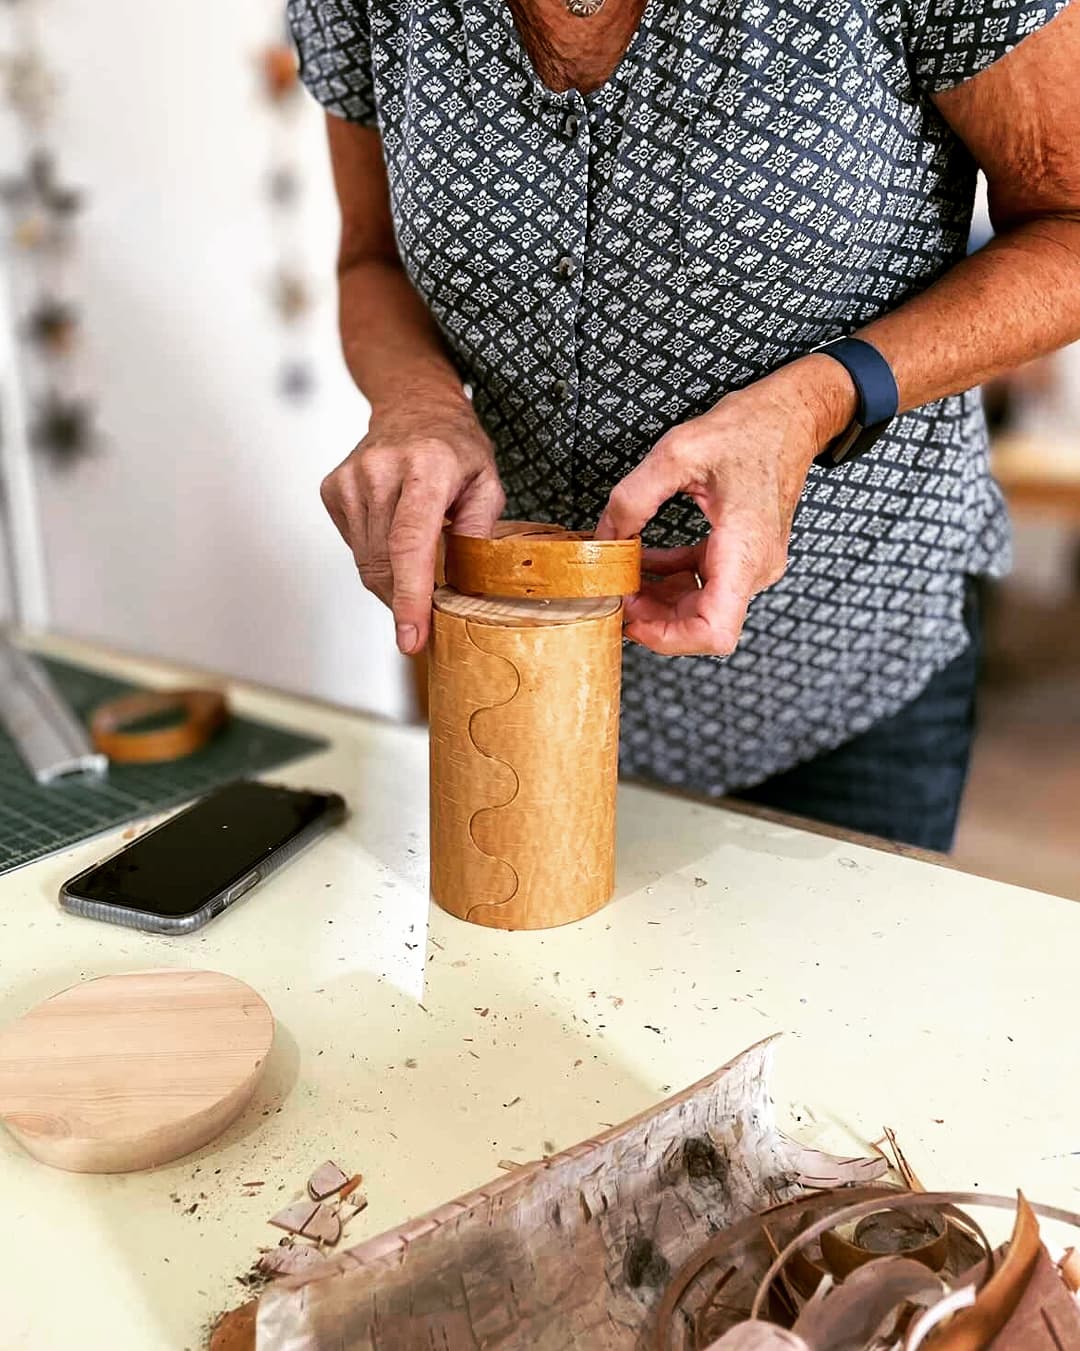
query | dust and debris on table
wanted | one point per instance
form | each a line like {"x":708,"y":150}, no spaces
{"x":350,"y":1186}
{"x":700,"y":882}
{"x":313,"y":1224}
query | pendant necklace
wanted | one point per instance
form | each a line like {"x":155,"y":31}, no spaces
{"x":584,"y":9}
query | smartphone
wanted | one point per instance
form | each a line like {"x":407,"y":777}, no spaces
{"x":200,"y":861}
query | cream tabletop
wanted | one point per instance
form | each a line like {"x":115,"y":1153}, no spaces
{"x":422,"y":1051}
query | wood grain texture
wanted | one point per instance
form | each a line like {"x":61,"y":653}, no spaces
{"x":524,"y":711}
{"x":131,"y":1071}
{"x":526,"y":559}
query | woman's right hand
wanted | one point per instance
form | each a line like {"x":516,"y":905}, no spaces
{"x":389,"y":497}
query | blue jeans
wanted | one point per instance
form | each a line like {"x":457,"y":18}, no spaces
{"x":904,"y":778}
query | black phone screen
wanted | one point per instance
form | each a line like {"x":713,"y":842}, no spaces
{"x":181,"y":865}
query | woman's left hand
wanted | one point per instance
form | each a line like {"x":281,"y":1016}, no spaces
{"x":744,"y":463}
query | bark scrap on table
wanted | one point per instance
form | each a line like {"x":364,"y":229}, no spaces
{"x":573,"y":1251}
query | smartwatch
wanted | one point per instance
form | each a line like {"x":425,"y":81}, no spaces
{"x":879,"y":399}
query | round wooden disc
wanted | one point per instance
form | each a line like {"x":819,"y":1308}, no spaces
{"x":527,"y":559}
{"x":131,"y":1071}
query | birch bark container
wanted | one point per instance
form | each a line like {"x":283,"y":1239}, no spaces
{"x":524,"y":714}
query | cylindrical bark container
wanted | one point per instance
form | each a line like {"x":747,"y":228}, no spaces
{"x":524,"y":713}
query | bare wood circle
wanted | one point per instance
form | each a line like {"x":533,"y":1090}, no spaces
{"x":530,"y":559}
{"x":130,"y":1071}
{"x":523,"y":612}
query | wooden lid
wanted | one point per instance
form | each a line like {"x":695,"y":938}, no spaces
{"x":527,"y":559}
{"x":130,"y":1071}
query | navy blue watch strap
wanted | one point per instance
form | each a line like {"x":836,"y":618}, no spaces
{"x":879,"y":399}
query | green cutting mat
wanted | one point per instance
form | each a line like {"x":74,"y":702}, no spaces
{"x":35,"y":821}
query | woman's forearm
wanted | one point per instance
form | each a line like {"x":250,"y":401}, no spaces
{"x":392,"y":348}
{"x":425,"y":455}
{"x":1015,"y":299}
{"x":1019,"y":297}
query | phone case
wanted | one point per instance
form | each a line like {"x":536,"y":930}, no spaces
{"x":184,"y":924}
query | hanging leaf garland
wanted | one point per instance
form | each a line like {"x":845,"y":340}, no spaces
{"x":290,"y":290}
{"x":41,"y":210}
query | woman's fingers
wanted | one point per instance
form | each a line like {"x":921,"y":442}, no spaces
{"x":348,"y":520}
{"x":640,"y":495}
{"x":663,"y":562}
{"x":389,"y":500}
{"x":681,"y":617}
{"x":412,"y":547}
{"x":478,"y":507}
{"x":372,"y":544}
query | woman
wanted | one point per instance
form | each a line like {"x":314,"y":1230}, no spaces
{"x":590,"y":250}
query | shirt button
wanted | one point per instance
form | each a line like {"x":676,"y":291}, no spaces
{"x":565,"y":267}
{"x":560,"y":389}
{"x":570,"y":126}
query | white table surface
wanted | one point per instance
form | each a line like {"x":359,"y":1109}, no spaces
{"x":421,"y":1051}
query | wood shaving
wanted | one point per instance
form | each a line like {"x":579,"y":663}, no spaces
{"x":288,"y":1260}
{"x":350,"y":1186}
{"x":353,"y":1208}
{"x":327,"y":1179}
{"x":295,"y":1217}
{"x":324,"y":1225}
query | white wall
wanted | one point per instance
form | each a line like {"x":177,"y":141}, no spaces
{"x":197,"y":532}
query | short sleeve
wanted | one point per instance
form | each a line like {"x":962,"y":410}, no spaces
{"x":333,"y":39}
{"x":956,"y":39}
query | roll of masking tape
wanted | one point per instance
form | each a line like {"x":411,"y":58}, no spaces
{"x":205,"y":711}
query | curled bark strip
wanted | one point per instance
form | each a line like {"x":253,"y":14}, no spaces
{"x":976,"y":1327}
{"x":1070,"y":1269}
{"x":888,"y":1236}
{"x":925,"y":1323}
{"x":900,"y":1201}
{"x":867,"y":1303}
{"x":818,"y":1170}
{"x":733,"y":1247}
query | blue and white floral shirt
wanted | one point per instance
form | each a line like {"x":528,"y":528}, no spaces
{"x":755,"y":178}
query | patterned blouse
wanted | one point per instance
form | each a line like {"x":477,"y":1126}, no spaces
{"x":755,"y":178}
